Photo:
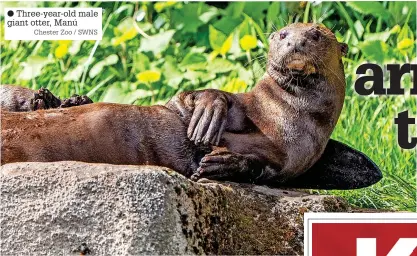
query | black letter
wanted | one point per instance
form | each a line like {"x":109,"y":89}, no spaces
{"x":395,"y":74}
{"x":414,"y":69}
{"x":403,"y":121}
{"x":378,"y":78}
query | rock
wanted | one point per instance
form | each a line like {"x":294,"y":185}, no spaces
{"x":66,"y":208}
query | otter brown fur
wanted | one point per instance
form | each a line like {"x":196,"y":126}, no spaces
{"x":99,"y":133}
{"x":269,"y":135}
{"x":287,"y":119}
{"x":16,"y":98}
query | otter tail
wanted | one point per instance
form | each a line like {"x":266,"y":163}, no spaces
{"x":340,"y":167}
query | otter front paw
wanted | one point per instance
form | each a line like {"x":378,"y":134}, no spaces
{"x":209,"y":118}
{"x":205,"y":112}
{"x":75,"y":100}
{"x":44,"y":99}
{"x":225,"y":165}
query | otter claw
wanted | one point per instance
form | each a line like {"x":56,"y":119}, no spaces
{"x":195,"y":177}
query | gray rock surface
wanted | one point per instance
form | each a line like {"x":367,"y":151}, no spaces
{"x":66,"y":208}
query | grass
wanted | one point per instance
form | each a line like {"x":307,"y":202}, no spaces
{"x":367,"y":124}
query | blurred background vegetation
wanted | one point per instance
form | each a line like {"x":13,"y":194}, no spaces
{"x":152,"y":51}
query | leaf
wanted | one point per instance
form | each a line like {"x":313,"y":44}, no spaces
{"x":156,"y":43}
{"x":216,"y":83}
{"x":32,"y":67}
{"x":383,"y":36}
{"x":75,"y":47}
{"x":374,"y":8}
{"x":197,"y":77}
{"x":359,"y":28}
{"x":226,"y":45}
{"x":125,"y":31}
{"x":173,"y":76}
{"x":374,"y":50}
{"x":273,"y":12}
{"x":98,"y":67}
{"x":227,"y":25}
{"x":405,"y":33}
{"x":159,"y":6}
{"x":256,"y":10}
{"x":141,"y":62}
{"x":187,"y":18}
{"x":216,"y":38}
{"x":235,"y":49}
{"x":245,"y":28}
{"x":133,"y":96}
{"x":234,"y":86}
{"x":209,"y":14}
{"x":244,"y":74}
{"x":113,"y":94}
{"x":258,"y":69}
{"x":76,"y":73}
{"x":219,"y":42}
{"x":116,"y":94}
{"x":128,"y":8}
{"x":194,"y":61}
{"x":220,"y":65}
{"x":405,"y":44}
{"x":235,"y":9}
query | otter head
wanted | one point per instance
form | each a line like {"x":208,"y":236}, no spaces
{"x":304,"y":51}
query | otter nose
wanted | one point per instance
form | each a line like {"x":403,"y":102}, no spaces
{"x":300,"y":45}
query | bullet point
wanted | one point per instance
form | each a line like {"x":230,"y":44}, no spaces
{"x":10,"y":13}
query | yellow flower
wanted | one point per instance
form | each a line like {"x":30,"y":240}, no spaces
{"x":235,"y":85}
{"x":405,"y":44}
{"x":129,"y":34}
{"x":64,"y":42}
{"x":226,"y":45}
{"x":159,"y":6}
{"x":61,"y":51}
{"x":396,"y":29}
{"x":149,"y":76}
{"x":248,"y":42}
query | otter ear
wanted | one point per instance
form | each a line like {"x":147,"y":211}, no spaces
{"x":344,"y":48}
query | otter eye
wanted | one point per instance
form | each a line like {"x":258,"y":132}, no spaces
{"x":316,"y":35}
{"x":283,"y":34}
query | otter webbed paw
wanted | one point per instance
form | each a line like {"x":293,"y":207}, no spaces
{"x":44,"y":99}
{"x":75,"y":100}
{"x":208,"y":121}
{"x":38,"y":104}
{"x":225,"y":165}
{"x":205,"y":112}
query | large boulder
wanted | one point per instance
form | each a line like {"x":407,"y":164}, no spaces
{"x":71,"y":207}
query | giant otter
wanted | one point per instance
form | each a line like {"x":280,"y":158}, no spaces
{"x":271,"y":135}
{"x":286,"y":120}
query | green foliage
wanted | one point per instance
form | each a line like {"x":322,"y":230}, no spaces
{"x":151,"y":51}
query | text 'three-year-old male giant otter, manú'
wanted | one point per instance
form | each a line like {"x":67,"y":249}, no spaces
{"x":276,"y":134}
